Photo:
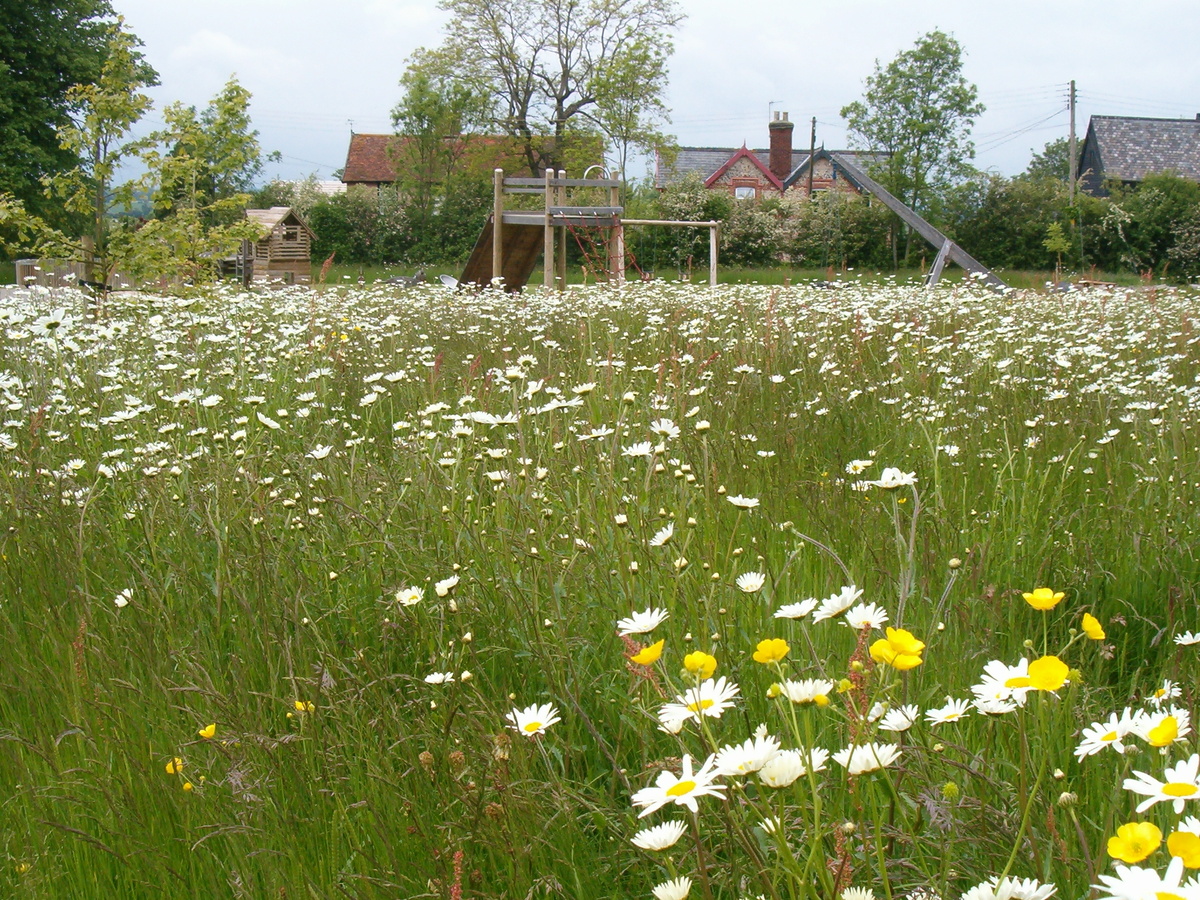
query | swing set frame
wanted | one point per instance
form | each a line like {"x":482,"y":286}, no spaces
{"x":557,"y":219}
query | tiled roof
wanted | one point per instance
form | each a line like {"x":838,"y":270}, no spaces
{"x":269,"y":218}
{"x":368,"y":159}
{"x":704,"y":161}
{"x":1132,"y":147}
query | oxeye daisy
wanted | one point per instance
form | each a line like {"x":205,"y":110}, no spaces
{"x":836,"y":604}
{"x":1169,"y":691}
{"x":660,"y":837}
{"x":675,"y":889}
{"x":900,"y":719}
{"x":1135,"y":881}
{"x":788,"y":765}
{"x":747,"y":757}
{"x":951,"y":712}
{"x":1004,"y":682}
{"x":709,"y":698}
{"x":997,"y":888}
{"x":1163,"y":727}
{"x":681,"y":789}
{"x":1109,"y":733}
{"x":865,"y":615}
{"x":1187,"y":639}
{"x":809,"y":690}
{"x":1181,"y":783}
{"x":533,"y":719}
{"x":663,"y":535}
{"x":642,"y":622}
{"x":797,"y":610}
{"x":751,"y":582}
{"x":863,"y":758}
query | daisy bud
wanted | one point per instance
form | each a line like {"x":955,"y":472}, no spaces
{"x":857,"y":666}
{"x":955,"y":562}
{"x":1027,"y":644}
{"x":1059,"y":774}
{"x":466,"y":638}
{"x":848,"y":828}
{"x":1067,"y":799}
{"x":633,"y":567}
{"x":938,"y":748}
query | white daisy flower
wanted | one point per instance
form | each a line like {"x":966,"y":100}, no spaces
{"x":660,"y":837}
{"x":663,"y":535}
{"x":533,"y":719}
{"x":675,"y":889}
{"x":681,"y":789}
{"x":864,"y":615}
{"x":797,"y":610}
{"x":836,"y":604}
{"x":869,"y":757}
{"x":901,"y":718}
{"x":743,"y":502}
{"x":642,"y":622}
{"x":751,"y":582}
{"x":951,"y":712}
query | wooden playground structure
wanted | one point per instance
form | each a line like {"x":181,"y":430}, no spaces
{"x":512,"y":239}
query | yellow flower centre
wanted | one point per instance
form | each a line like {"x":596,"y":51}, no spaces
{"x":1017,"y":681}
{"x":681,"y":789}
{"x":531,"y":727}
{"x":699,"y":705}
{"x":1179,"y":789}
{"x":1166,"y":895}
{"x":1110,"y":737}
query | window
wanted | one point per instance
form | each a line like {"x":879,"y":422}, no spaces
{"x":744,"y":193}
{"x":291,"y":233}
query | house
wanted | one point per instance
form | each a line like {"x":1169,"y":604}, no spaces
{"x":1128,"y":148}
{"x":284,"y":252}
{"x":372,"y":159}
{"x":749,"y":174}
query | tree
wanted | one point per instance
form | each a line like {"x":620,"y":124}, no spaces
{"x":97,"y":136}
{"x":545,"y":63}
{"x":1053,"y":162}
{"x":211,"y":158}
{"x":46,"y":47}
{"x":918,"y":110}
{"x":630,"y":106}
{"x":200,"y":170}
{"x":433,"y":119}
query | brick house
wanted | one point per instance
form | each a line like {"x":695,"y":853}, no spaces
{"x":780,"y":169}
{"x":1128,"y":148}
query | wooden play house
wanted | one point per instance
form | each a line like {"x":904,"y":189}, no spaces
{"x":283,"y":255}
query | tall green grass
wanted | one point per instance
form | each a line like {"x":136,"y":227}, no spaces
{"x":1053,"y":442}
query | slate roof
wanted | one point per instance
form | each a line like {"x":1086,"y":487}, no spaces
{"x":705,"y":161}
{"x":1132,"y":147}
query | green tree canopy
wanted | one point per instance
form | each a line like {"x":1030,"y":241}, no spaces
{"x":548,"y":64}
{"x":1053,"y":162}
{"x":918,"y":110}
{"x":46,"y":48}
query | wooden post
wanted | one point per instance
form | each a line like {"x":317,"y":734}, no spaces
{"x":939,"y":263}
{"x":562,"y":235}
{"x":616,"y":243}
{"x":497,"y":224}
{"x":548,"y":242}
{"x":714,"y":243}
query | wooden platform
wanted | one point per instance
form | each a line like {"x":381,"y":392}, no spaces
{"x":522,"y":246}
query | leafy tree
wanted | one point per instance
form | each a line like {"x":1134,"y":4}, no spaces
{"x":1056,"y":242}
{"x":200,"y":170}
{"x":209,"y":159}
{"x":630,"y":105}
{"x":97,"y":135}
{"x":46,"y":48}
{"x":1142,"y":223}
{"x":1002,"y":222}
{"x":918,"y":110}
{"x":1053,"y":162}
{"x":546,"y":64}
{"x":434,"y":119}
{"x":688,"y":200}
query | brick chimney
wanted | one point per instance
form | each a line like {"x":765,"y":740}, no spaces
{"x":781,"y":145}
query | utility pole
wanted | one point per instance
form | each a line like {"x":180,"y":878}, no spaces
{"x":1071,"y":148}
{"x":812,"y":151}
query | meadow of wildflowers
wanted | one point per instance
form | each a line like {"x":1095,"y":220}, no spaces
{"x":667,"y":592}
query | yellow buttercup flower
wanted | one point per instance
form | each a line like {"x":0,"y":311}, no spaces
{"x":1164,"y":733}
{"x":1048,"y":673}
{"x":187,"y":785}
{"x":174,"y":766}
{"x":771,"y":650}
{"x":1092,"y":627}
{"x":1134,"y":841}
{"x":900,"y":650}
{"x":304,"y":706}
{"x":1043,"y":598}
{"x":700,"y":663}
{"x":1186,"y":846}
{"x":648,"y":655}
{"x":208,"y":731}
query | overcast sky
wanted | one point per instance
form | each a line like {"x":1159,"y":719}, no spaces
{"x":319,"y":68}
